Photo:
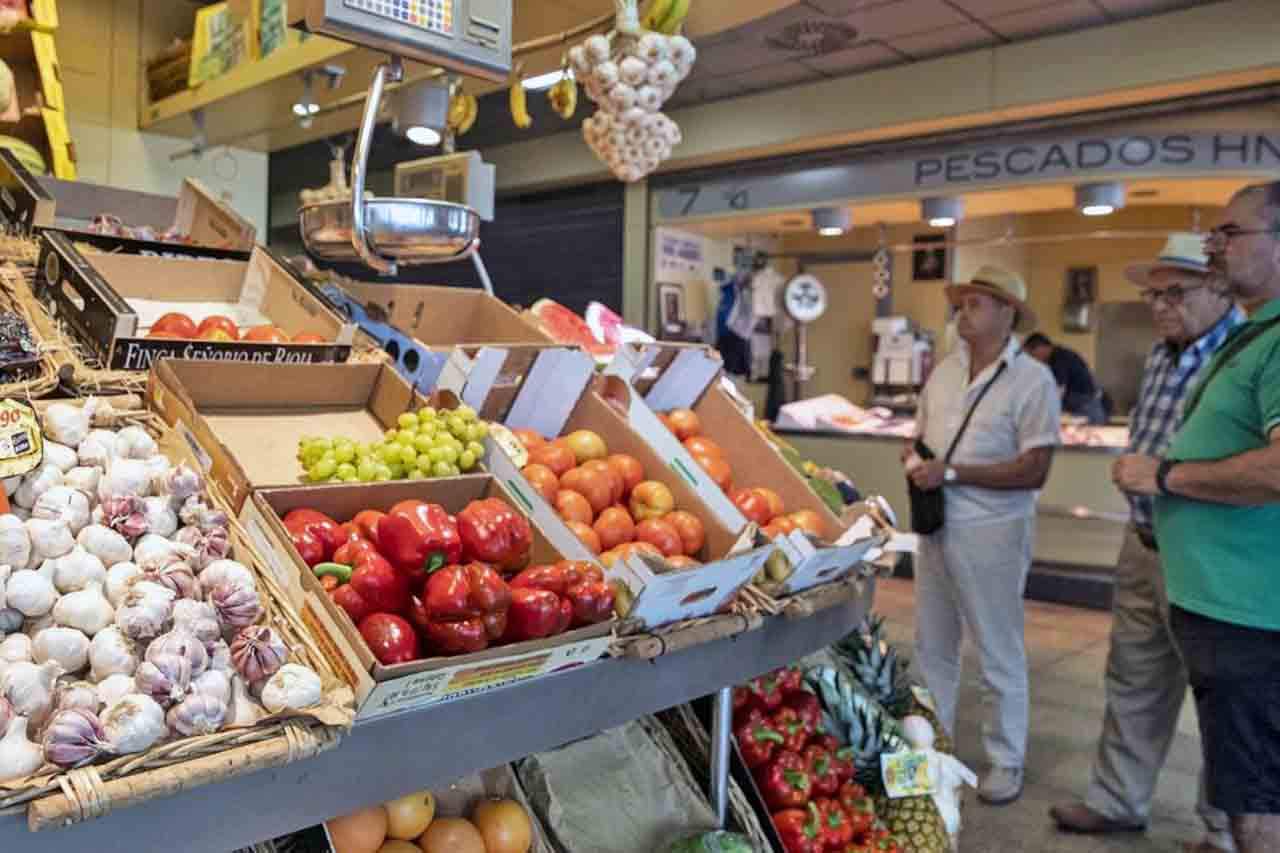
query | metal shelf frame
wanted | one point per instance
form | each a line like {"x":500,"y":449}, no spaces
{"x":432,"y":747}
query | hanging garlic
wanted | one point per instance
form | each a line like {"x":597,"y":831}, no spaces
{"x":29,"y":687}
{"x":84,"y":478}
{"x":73,"y":738}
{"x":87,"y":610}
{"x":119,"y":578}
{"x":30,"y":593}
{"x":77,"y":694}
{"x":125,"y":477}
{"x":15,"y":542}
{"x":104,"y":543}
{"x":77,"y":570}
{"x":67,"y":647}
{"x":292,"y":688}
{"x":165,"y":678}
{"x":245,"y":711}
{"x":133,"y":442}
{"x":111,"y":653}
{"x":228,"y":573}
{"x":177,"y":576}
{"x":145,"y":610}
{"x":19,"y":757}
{"x":198,"y":714}
{"x":257,"y":652}
{"x":36,"y":484}
{"x":134,"y":724}
{"x":15,"y":648}
{"x":154,"y":551}
{"x":183,"y":643}
{"x":97,"y":449}
{"x":113,"y":688}
{"x":65,"y":503}
{"x":237,"y":606}
{"x":209,"y":545}
{"x":178,"y":483}
{"x":49,"y":537}
{"x":213,"y":683}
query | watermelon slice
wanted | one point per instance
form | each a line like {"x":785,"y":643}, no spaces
{"x":566,"y":327}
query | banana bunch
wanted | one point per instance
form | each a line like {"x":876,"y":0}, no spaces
{"x":665,"y":16}
{"x":520,"y":103}
{"x":463,"y":110}
{"x":564,"y":96}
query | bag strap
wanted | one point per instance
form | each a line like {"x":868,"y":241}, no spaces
{"x":969,"y":415}
{"x":1233,"y":348}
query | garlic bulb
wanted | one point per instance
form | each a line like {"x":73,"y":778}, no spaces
{"x":113,"y":688}
{"x":165,"y":678}
{"x":5,"y":571}
{"x":196,"y":513}
{"x":125,"y":477}
{"x":213,"y":683}
{"x":104,"y":543}
{"x":35,"y":625}
{"x":73,"y":738}
{"x":97,"y":449}
{"x":119,"y":578}
{"x":245,"y":711}
{"x":66,"y":647}
{"x":68,"y":424}
{"x":76,"y":694}
{"x":125,"y":515}
{"x":177,"y":576}
{"x":153,"y":550}
{"x":87,"y":610}
{"x":61,"y":455}
{"x":111,"y":653}
{"x":145,"y":610}
{"x":227,"y":573}
{"x":198,"y":714}
{"x":66,"y":503}
{"x":6,"y":714}
{"x":183,"y":643}
{"x":179,"y":483}
{"x":257,"y":652}
{"x":36,"y":484}
{"x":29,"y":687}
{"x":77,"y":569}
{"x":10,"y":620}
{"x":30,"y":593}
{"x":19,"y":757}
{"x":84,"y":478}
{"x":199,"y":618}
{"x":237,"y":606}
{"x":292,"y":688}
{"x":49,"y":537}
{"x":133,"y":442}
{"x":209,"y":545}
{"x":134,"y":724}
{"x":161,"y":519}
{"x":220,"y":657}
{"x":15,"y":542}
{"x":15,"y":648}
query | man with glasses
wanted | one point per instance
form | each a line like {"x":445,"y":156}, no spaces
{"x":1146,"y":681}
{"x":1217,"y":520}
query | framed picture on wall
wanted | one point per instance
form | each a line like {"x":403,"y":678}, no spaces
{"x":927,"y":262}
{"x":1082,"y":285}
{"x":671,"y":315}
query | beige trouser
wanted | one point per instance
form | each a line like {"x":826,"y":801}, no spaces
{"x":969,"y":580}
{"x":1146,"y":683}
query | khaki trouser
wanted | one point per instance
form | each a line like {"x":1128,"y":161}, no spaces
{"x":969,"y":580}
{"x":1146,"y":684}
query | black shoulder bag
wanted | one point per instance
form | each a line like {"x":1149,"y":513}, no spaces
{"x":928,"y":511}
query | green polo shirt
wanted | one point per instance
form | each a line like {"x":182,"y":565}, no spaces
{"x":1221,"y":561}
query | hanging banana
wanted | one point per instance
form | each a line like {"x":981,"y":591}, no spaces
{"x":656,"y":13}
{"x":674,"y":20}
{"x":519,"y":102}
{"x":564,"y":94}
{"x":457,"y":109}
{"x":472,"y":112}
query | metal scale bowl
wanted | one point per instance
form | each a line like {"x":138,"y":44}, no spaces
{"x":383,"y":233}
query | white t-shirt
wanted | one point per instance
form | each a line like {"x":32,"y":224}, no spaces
{"x":1021,"y":412}
{"x":764,"y":292}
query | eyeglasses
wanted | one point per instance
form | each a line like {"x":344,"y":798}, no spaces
{"x":1171,"y":295}
{"x":1224,"y":234}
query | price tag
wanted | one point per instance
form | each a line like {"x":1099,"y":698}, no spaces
{"x":906,"y":774}
{"x":21,"y":439}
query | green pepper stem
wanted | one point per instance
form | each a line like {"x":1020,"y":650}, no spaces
{"x":336,"y":570}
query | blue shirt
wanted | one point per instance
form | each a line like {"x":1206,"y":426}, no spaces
{"x":1166,"y":379}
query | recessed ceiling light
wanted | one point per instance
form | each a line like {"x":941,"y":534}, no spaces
{"x":1101,"y":199}
{"x":832,"y":221}
{"x":942,"y":211}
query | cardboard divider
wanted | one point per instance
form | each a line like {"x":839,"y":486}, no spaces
{"x":383,"y":689}
{"x":208,"y":221}
{"x":448,"y":316}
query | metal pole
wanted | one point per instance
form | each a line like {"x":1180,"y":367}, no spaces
{"x":482,"y":272}
{"x":721,"y":721}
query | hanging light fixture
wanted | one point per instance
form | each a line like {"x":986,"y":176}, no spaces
{"x":1101,"y":199}
{"x":832,"y":221}
{"x":306,"y":106}
{"x":942,"y":211}
{"x":423,"y":111}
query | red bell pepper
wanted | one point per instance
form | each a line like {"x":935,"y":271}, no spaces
{"x":466,"y":606}
{"x":352,"y":602}
{"x":841,"y":758}
{"x":757,"y":741}
{"x":380,"y":585}
{"x":549,"y":577}
{"x":351,"y":551}
{"x":790,"y":679}
{"x":494,"y":533}
{"x":534,"y":614}
{"x":784,"y":781}
{"x":591,"y":603}
{"x":320,"y":526}
{"x":307,"y":544}
{"x":837,"y":831}
{"x":850,"y":794}
{"x":366,"y":522}
{"x":889,"y":845}
{"x":581,"y":586}
{"x":795,"y":731}
{"x":799,"y":830}
{"x":825,"y":781}
{"x":861,"y":811}
{"x":349,"y":533}
{"x":807,"y":706}
{"x":766,"y":692}
{"x":419,"y":537}
{"x":577,"y":572}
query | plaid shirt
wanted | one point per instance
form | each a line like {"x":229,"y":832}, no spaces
{"x":1165,"y":382}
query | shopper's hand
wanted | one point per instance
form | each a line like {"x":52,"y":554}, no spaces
{"x":1136,"y":475}
{"x":929,"y":475}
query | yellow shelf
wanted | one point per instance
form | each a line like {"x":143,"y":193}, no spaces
{"x":31,"y":45}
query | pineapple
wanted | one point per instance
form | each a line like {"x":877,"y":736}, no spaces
{"x":916,"y":821}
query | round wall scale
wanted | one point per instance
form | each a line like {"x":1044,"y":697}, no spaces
{"x":804,"y":298}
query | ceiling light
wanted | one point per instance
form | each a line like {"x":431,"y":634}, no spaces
{"x":544,"y":81}
{"x":306,"y":106}
{"x":1099,"y":199}
{"x":832,"y":221}
{"x":423,"y":111}
{"x":942,"y":211}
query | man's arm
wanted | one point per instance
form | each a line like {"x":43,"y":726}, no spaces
{"x":1250,"y":479}
{"x":1029,"y":470}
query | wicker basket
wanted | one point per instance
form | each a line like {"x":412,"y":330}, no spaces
{"x":167,"y":71}
{"x":60,"y":798}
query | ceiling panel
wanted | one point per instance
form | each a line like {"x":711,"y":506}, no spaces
{"x":841,"y":8}
{"x":776,"y":76}
{"x":1133,"y":8}
{"x":857,"y":58}
{"x":945,"y":40}
{"x":904,"y":18}
{"x":1065,"y":15}
{"x":990,"y":8}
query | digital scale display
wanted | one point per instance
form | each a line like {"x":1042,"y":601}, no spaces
{"x":433,"y":15}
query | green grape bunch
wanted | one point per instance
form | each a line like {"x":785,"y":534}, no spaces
{"x":423,"y":444}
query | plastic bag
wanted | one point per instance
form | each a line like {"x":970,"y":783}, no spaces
{"x":713,"y":842}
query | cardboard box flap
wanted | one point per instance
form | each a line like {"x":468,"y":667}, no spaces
{"x":684,"y":381}
{"x":686,"y":594}
{"x":550,"y":391}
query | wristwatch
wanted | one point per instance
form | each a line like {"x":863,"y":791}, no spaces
{"x":1162,"y":476}
{"x":950,"y":475}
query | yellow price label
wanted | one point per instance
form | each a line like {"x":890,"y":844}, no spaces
{"x":21,"y":439}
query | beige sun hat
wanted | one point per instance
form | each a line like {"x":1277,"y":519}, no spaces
{"x":1182,"y":251}
{"x":1003,"y":285}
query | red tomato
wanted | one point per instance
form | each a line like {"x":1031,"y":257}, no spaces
{"x":595,"y":486}
{"x":309,"y":338}
{"x":573,"y":507}
{"x":217,"y":321}
{"x":586,"y":535}
{"x":690,"y":529}
{"x":662,"y":536}
{"x":559,"y":459}
{"x":615,"y":527}
{"x":629,"y":469}
{"x":753,"y":505}
{"x":266,"y":335}
{"x":543,"y":479}
{"x":175,"y":324}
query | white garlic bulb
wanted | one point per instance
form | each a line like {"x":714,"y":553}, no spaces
{"x":19,"y":757}
{"x":65,"y":503}
{"x":227,"y":573}
{"x":144,"y":612}
{"x":133,"y":442}
{"x":113,"y":688}
{"x":292,"y":688}
{"x":30,"y":593}
{"x":15,"y":648}
{"x":633,"y":71}
{"x":198,"y":714}
{"x":15,"y":543}
{"x":61,"y":455}
{"x":49,"y":538}
{"x":134,"y":724}
{"x":213,"y":683}
{"x":97,"y":449}
{"x":36,"y":484}
{"x":105,"y":544}
{"x":76,"y":570}
{"x":66,"y":647}
{"x":245,"y":711}
{"x":111,"y":653}
{"x":183,"y":643}
{"x":29,"y":687}
{"x":119,"y":578}
{"x":84,"y":478}
{"x":87,"y":610}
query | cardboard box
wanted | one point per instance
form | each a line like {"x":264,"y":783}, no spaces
{"x":207,"y":220}
{"x":385,"y":689}
{"x":92,"y":293}
{"x":447,"y":316}
{"x":24,"y":204}
{"x":245,"y":420}
{"x":671,"y":377}
{"x":557,"y":397}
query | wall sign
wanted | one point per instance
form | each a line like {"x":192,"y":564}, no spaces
{"x":1044,"y":159}
{"x":678,"y":253}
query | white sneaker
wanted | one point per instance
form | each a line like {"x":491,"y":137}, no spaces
{"x":1001,"y":786}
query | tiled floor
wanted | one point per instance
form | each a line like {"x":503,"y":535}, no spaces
{"x":1067,"y":650}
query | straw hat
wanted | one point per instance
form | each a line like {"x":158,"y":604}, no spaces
{"x":1182,"y":251}
{"x":1003,"y":285}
